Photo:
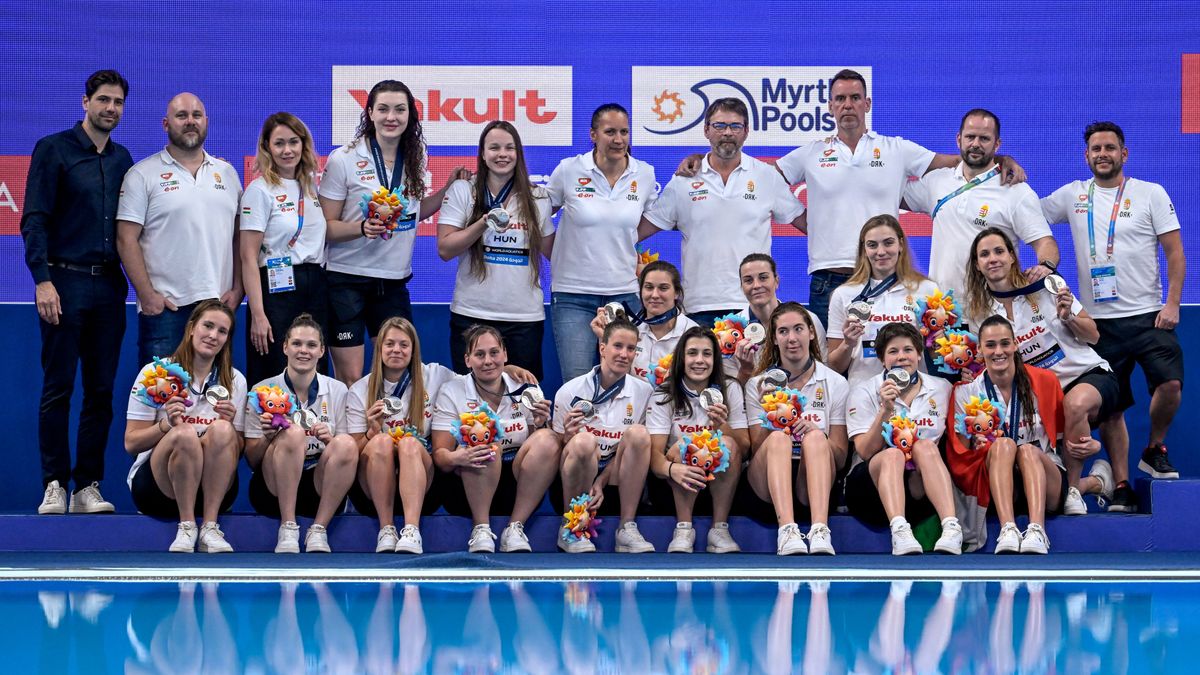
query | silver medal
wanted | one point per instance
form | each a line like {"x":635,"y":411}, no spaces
{"x":531,"y":397}
{"x":215,"y":394}
{"x":860,"y":310}
{"x":710,"y":397}
{"x":771,"y":380}
{"x":498,"y":219}
{"x":1055,"y":284}
{"x":756,"y":333}
{"x":305,"y":418}
{"x":613,"y":311}
{"x":391,"y":406}
{"x":900,"y":376}
{"x":586,"y":407}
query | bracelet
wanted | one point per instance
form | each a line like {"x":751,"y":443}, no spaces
{"x":669,"y":467}
{"x":362,"y":227}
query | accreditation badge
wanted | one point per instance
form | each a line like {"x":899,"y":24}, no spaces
{"x":281,"y":278}
{"x":1104,"y":283}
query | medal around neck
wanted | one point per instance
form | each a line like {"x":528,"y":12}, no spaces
{"x":305,"y":418}
{"x":756,"y":333}
{"x":772,"y":379}
{"x":391,"y":406}
{"x":860,"y":310}
{"x":710,"y":397}
{"x":901,"y":377}
{"x":614,"y":311}
{"x":586,"y":407}
{"x":216,"y":394}
{"x":498,"y":220}
{"x":531,"y":397}
{"x":1056,"y":284}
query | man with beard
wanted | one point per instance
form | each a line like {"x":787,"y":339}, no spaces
{"x":969,"y":197}
{"x":68,"y":225}
{"x":724,"y":213}
{"x":177,"y":230}
{"x":1118,"y":224}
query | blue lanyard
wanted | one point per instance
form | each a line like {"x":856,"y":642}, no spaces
{"x":974,"y":182}
{"x":641,"y":318}
{"x":1011,"y":428}
{"x":499,"y":199}
{"x":1112,"y":221}
{"x":381,"y":168}
{"x":402,"y":385}
{"x":212,"y":379}
{"x":515,"y":394}
{"x":313,"y":388}
{"x":299,"y":218}
{"x":1036,"y":286}
{"x":599,"y":398}
{"x":870,"y":293}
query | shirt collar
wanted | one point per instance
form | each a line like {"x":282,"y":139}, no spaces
{"x":742,"y":164}
{"x":86,"y":141}
{"x":959,"y":171}
{"x":589,"y":165}
{"x":168,"y":159}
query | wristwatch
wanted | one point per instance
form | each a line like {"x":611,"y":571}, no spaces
{"x":1049,"y":265}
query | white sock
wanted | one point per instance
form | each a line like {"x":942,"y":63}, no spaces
{"x":681,"y":525}
{"x":897,"y":522}
{"x":949,"y":520}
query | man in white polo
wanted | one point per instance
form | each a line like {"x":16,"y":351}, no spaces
{"x":177,"y":229}
{"x":966,"y":199}
{"x":724,"y":213}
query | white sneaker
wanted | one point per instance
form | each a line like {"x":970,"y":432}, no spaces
{"x":1035,"y":540}
{"x":482,"y":540}
{"x":288,"y":540}
{"x":903,"y":541}
{"x":573,"y":546}
{"x":54,"y":501}
{"x":316,"y":540}
{"x":951,"y":539}
{"x":1009,"y":539}
{"x":212,"y":539}
{"x":1102,"y":471}
{"x":820,"y":539}
{"x":683,"y":540}
{"x":88,"y":500}
{"x":410,"y":541}
{"x":790,"y":541}
{"x":720,"y":540}
{"x":386,"y":540}
{"x":1074,"y":506}
{"x":629,"y":540}
{"x":185,"y":538}
{"x":513,"y":539}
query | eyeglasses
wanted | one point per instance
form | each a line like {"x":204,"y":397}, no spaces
{"x":722,"y":126}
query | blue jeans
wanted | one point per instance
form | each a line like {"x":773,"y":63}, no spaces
{"x":160,"y":334}
{"x":570,"y":316}
{"x":819,"y":289}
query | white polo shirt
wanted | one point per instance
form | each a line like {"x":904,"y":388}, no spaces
{"x":274,"y":211}
{"x":722,"y":223}
{"x":612,"y":418}
{"x":662,"y":420}
{"x":825,"y":391}
{"x":928,"y":409}
{"x":458,"y":395}
{"x":746,"y":314}
{"x":1035,"y":433}
{"x":434,"y":376}
{"x":895,"y":305}
{"x":329,"y":405}
{"x":350,"y":174}
{"x":187,"y":224}
{"x":651,"y":349}
{"x":507,"y":294}
{"x":597,"y":226}
{"x":1012,"y":208}
{"x":1146,"y":213}
{"x":1045,"y":341}
{"x":200,"y":414}
{"x":846,"y":188}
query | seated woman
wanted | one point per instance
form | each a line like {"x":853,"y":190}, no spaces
{"x":599,"y":417}
{"x":299,"y":470}
{"x":187,"y":447}
{"x":496,"y":444}
{"x":676,"y":413}
{"x":797,"y":444}
{"x":900,"y":477}
{"x":1020,"y":471}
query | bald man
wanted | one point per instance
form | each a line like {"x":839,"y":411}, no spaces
{"x":177,"y":229}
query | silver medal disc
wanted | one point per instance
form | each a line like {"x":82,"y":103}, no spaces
{"x":860,"y":310}
{"x":900,"y":376}
{"x":586,"y":408}
{"x":215,"y":394}
{"x":613,"y":311}
{"x":391,"y":406}
{"x":1055,"y":284}
{"x":498,"y":220}
{"x":306,"y":418}
{"x":756,"y":333}
{"x":710,"y":397}
{"x":531,"y":397}
{"x":772,"y":379}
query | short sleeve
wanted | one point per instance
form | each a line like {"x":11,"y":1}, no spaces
{"x":1162,"y":211}
{"x":839,"y":391}
{"x":256,"y":207}
{"x":557,"y":186}
{"x":337,"y":418}
{"x":862,"y":406}
{"x":652,"y":181}
{"x":333,"y":181}
{"x":444,"y":410}
{"x":135,"y":199}
{"x":1028,"y":220}
{"x":356,"y":410}
{"x":457,"y":205}
{"x":239,"y":394}
{"x":785,"y":206}
{"x":792,"y":165}
{"x":837,"y":313}
{"x":664,"y":214}
{"x":136,"y":409}
{"x":562,"y":405}
{"x":754,"y":407}
{"x":658,"y":416}
{"x":1056,"y":207}
{"x":918,"y":196}
{"x":736,"y":402}
{"x":545,"y":222}
{"x":916,"y":158}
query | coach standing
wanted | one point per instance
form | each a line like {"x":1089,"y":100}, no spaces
{"x":69,"y":228}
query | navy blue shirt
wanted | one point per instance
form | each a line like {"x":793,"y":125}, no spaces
{"x":71,"y":202}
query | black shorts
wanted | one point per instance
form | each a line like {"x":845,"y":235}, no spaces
{"x":362,"y":503}
{"x":1133,"y":340}
{"x":522,"y":341}
{"x":610,"y":507}
{"x":449,"y":487}
{"x":1106,"y":383}
{"x":862,"y":498}
{"x":1021,"y":500}
{"x":359,"y":305}
{"x":151,"y":501}
{"x":662,"y":498}
{"x":307,"y":497}
{"x":747,"y":503}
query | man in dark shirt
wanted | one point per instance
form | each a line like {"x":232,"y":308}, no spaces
{"x":69,"y":227}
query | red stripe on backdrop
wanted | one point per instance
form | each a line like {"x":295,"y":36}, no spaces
{"x":14,"y":169}
{"x":1190,"y":97}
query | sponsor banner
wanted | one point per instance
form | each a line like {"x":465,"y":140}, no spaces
{"x":1190,"y":119}
{"x":788,"y":105}
{"x":454,"y":102}
{"x":14,"y":169}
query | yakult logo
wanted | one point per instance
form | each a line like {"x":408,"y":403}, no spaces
{"x":454,"y":102}
{"x":787,"y":106}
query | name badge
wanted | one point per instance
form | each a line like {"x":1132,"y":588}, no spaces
{"x":1104,"y":284}
{"x":281,"y":278}
{"x":868,"y":349}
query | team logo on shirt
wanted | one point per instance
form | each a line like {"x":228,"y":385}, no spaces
{"x":629,"y":411}
{"x":1126,"y":213}
{"x":981,"y":219}
{"x":828,"y":158}
{"x":750,"y":191}
{"x":281,"y":198}
{"x":583,"y":191}
{"x":167,"y":175}
{"x":698,"y":193}
{"x":633,"y":187}
{"x":218,"y":185}
{"x":362,"y":164}
{"x":820,"y":393}
{"x":875,"y":154}
{"x":876,"y":162}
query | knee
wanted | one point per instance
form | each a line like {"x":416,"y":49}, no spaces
{"x":777,"y":445}
{"x":341,"y":451}
{"x":1076,"y":407}
{"x":636,"y":438}
{"x":291,"y":440}
{"x":889,"y":458}
{"x":409,"y":449}
{"x":222,"y":432}
{"x":1003,"y":451}
{"x":1171,"y":389}
{"x":925,"y":451}
{"x":1027,"y":453}
{"x":380,"y":449}
{"x":581,"y":448}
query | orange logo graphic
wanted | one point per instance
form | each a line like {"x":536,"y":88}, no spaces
{"x":663,"y":115}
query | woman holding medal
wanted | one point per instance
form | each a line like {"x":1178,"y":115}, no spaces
{"x":759,"y":276}
{"x":902,"y":479}
{"x":694,"y":400}
{"x":488,"y":428}
{"x":282,"y":242}
{"x":1053,"y":332}
{"x":370,"y":259}
{"x":1022,"y":469}
{"x":797,"y":446}
{"x":499,"y":227}
{"x":303,"y":465}
{"x":883,"y":288}
{"x":187,"y":448}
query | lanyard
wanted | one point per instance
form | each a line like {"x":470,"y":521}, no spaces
{"x":499,"y":199}
{"x":1011,"y":428}
{"x":402,"y":385}
{"x":973,"y":183}
{"x":515,"y":394}
{"x":299,"y":218}
{"x":1036,"y":286}
{"x":599,"y":398}
{"x":1112,"y":221}
{"x":381,"y":168}
{"x":212,"y":379}
{"x":870,"y":293}
{"x":641,"y":318}
{"x":313,"y":387}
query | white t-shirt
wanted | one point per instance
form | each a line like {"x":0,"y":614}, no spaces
{"x":722,"y":223}
{"x":434,"y":376}
{"x":825,"y":391}
{"x":896,"y":304}
{"x":1045,"y":341}
{"x":350,"y":174}
{"x":274,"y":211}
{"x":1035,"y":433}
{"x":187,"y":224}
{"x":928,"y":410}
{"x":1146,"y":213}
{"x":662,"y":420}
{"x":329,"y":405}
{"x":458,"y":396}
{"x":507,"y":294}
{"x":612,"y":418}
{"x":651,"y":349}
{"x":199,"y":415}
{"x":846,"y":188}
{"x":1012,"y":208}
{"x":597,"y":227}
